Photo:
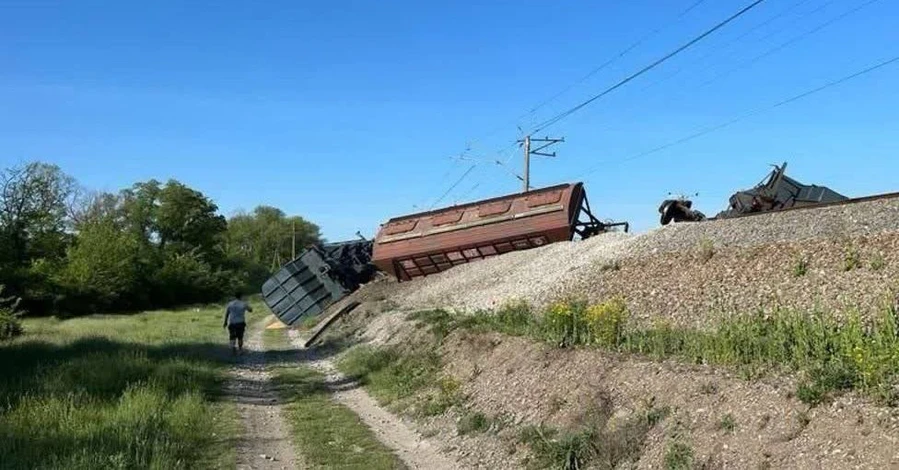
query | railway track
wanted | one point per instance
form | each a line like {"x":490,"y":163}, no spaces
{"x":857,"y":200}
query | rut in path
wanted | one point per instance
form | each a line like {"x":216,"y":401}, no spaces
{"x":265,"y":443}
{"x":415,"y":451}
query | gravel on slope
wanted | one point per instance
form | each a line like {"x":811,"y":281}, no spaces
{"x":570,"y":268}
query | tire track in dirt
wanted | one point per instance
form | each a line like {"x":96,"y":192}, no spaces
{"x":414,"y":450}
{"x":265,"y":443}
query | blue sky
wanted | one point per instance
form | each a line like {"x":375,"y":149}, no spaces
{"x":349,"y":112}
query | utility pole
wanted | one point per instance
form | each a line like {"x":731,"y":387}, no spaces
{"x":546,"y":141}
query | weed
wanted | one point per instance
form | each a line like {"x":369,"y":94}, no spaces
{"x":878,"y":262}
{"x":447,"y":394}
{"x":800,"y":267}
{"x":472,"y":423}
{"x":727,"y":423}
{"x":709,"y":388}
{"x":678,"y":456}
{"x":851,"y":258}
{"x":706,"y":250}
{"x":441,"y":322}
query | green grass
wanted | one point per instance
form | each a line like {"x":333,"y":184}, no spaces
{"x":830,"y":354}
{"x":728,"y":423}
{"x":407,"y":381}
{"x":679,"y":456}
{"x":107,"y":391}
{"x":800,"y":267}
{"x":325,"y":433}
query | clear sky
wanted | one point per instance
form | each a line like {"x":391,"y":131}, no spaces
{"x":350,"y":112}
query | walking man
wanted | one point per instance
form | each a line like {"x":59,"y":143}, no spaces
{"x":236,"y":322}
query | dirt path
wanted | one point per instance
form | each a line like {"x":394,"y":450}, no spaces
{"x":265,"y":443}
{"x":415,"y":451}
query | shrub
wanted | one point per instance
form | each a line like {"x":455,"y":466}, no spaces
{"x":10,"y":316}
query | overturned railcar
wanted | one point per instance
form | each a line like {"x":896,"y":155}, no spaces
{"x":318,"y":277}
{"x":430,"y":242}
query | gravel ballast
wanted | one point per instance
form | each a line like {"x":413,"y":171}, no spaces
{"x":686,"y":271}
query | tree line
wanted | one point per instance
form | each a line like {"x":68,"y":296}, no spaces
{"x":68,"y":251}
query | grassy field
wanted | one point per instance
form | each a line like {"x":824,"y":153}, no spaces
{"x":129,"y":391}
{"x":325,"y":433}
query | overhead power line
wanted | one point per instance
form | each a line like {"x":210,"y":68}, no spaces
{"x":452,"y":187}
{"x":593,"y":72}
{"x":790,"y":41}
{"x":540,"y":127}
{"x":717,"y":127}
{"x":614,"y":58}
{"x":746,"y":33}
{"x":777,"y":48}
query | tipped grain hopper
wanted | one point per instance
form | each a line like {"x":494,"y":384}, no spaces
{"x":425,"y":243}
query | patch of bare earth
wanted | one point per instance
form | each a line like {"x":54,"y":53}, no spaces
{"x":265,"y":443}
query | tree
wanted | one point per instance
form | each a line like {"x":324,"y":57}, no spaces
{"x":188,"y":219}
{"x":35,"y":201}
{"x":266,"y":235}
{"x":103,"y":268}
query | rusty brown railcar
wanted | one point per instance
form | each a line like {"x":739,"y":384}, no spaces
{"x":429,"y":242}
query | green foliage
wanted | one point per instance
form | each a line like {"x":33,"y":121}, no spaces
{"x":679,"y":456}
{"x":834,"y":354}
{"x":565,"y":324}
{"x":800,"y":267}
{"x":472,"y":423}
{"x":66,"y":252}
{"x":851,"y":258}
{"x":574,"y":323}
{"x":116,"y":392}
{"x":10,"y":316}
{"x":102,"y":266}
{"x":727,"y":423}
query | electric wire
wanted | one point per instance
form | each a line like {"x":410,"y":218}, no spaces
{"x":549,"y":122}
{"x":717,"y":127}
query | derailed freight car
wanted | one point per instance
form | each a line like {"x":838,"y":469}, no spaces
{"x":430,"y":242}
{"x":318,"y":277}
